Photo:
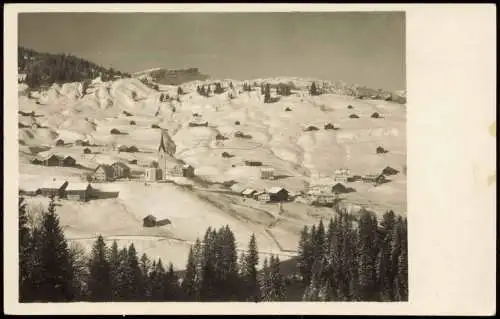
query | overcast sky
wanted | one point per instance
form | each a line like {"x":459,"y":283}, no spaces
{"x":363,"y":48}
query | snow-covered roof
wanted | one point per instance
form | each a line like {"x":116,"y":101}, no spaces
{"x":77,"y":186}
{"x":249,"y":191}
{"x":274,"y":190}
{"x":267,"y":169}
{"x":54,"y":184}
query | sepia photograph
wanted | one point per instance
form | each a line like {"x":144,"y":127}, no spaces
{"x":201,"y":157}
{"x":212,"y":157}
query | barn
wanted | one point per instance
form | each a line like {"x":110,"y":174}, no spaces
{"x":78,"y":191}
{"x":277,"y":194}
{"x":67,"y":161}
{"x":389,"y":171}
{"x":375,"y":179}
{"x":249,"y":192}
{"x":54,"y":188}
{"x":263,"y":197}
{"x":149,"y":221}
{"x":103,"y":173}
{"x":339,"y":188}
{"x":152,"y":174}
{"x":51,"y":160}
{"x":120,"y":170}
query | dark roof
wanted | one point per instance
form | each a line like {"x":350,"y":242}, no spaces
{"x":121,"y":164}
{"x":339,"y":187}
{"x":107,"y":169}
{"x":389,"y":171}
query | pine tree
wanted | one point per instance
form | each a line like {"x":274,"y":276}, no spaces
{"x":401,"y":264}
{"x":188,"y":283}
{"x":145,"y":266}
{"x":265,"y":282}
{"x":180,"y":91}
{"x":55,"y":276}
{"x":277,"y":281}
{"x":114,"y":267}
{"x":250,"y":275}
{"x":81,"y":275}
{"x":267,"y":94}
{"x":25,"y":253}
{"x":157,"y":281}
{"x":134,"y":275}
{"x":100,"y":280}
{"x":384,"y":263}
{"x":314,"y":89}
{"x":171,"y":289}
{"x":304,"y":250}
{"x":367,"y":247}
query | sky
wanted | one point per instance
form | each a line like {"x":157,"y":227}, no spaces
{"x":365,"y":48}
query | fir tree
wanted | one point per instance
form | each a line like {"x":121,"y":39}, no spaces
{"x":114,"y":267}
{"x":384,"y":266}
{"x":314,"y":89}
{"x":100,"y":280}
{"x":277,"y":281}
{"x":188,"y":283}
{"x":179,"y":91}
{"x":267,"y":94}
{"x":367,"y":247}
{"x":55,"y":276}
{"x":303,"y":255}
{"x":25,"y":253}
{"x":250,"y":274}
{"x":134,"y":275}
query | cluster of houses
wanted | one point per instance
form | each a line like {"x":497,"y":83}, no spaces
{"x":105,"y":172}
{"x":61,"y":189}
{"x":273,"y":194}
{"x":344,"y":175}
{"x":54,"y":160}
{"x":167,"y":166}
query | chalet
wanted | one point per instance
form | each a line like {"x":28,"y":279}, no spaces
{"x":339,"y":188}
{"x":237,"y":188}
{"x":67,"y":161}
{"x":51,"y":160}
{"x":389,"y":171}
{"x":253,"y":163}
{"x":342,"y":175}
{"x":180,"y":170}
{"x":78,"y":191}
{"x":376,"y":179}
{"x":267,"y":173}
{"x":103,"y":173}
{"x":323,"y":200}
{"x":152,"y":174}
{"x":149,"y":221}
{"x":277,"y":194}
{"x":59,"y":142}
{"x":54,"y":188}
{"x":249,"y":192}
{"x":120,"y":170}
{"x":263,"y":197}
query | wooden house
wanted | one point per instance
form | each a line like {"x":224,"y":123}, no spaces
{"x":103,"y":173}
{"x":180,"y":170}
{"x":267,"y":173}
{"x":342,"y":175}
{"x":152,"y":174}
{"x":263,"y":197}
{"x":375,"y":179}
{"x":277,"y":194}
{"x":78,"y":191}
{"x":249,"y":192}
{"x":389,"y":171}
{"x":339,"y":188}
{"x":51,"y":160}
{"x":120,"y":170}
{"x":54,"y":188}
{"x":67,"y":161}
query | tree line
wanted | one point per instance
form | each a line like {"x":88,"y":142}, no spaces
{"x":45,"y":69}
{"x":367,"y":262}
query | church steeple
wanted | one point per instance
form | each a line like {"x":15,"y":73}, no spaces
{"x":162,"y":148}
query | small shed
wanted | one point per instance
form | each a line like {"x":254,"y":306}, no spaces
{"x":187,"y":170}
{"x":103,"y":173}
{"x":59,"y":142}
{"x":389,"y":171}
{"x":120,"y":170}
{"x":149,"y":221}
{"x":277,"y":194}
{"x":78,"y":191}
{"x":339,"y":188}
{"x":54,"y":188}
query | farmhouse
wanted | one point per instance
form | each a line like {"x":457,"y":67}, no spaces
{"x":51,"y":160}
{"x":68,"y":161}
{"x":323,"y":200}
{"x":78,"y":191}
{"x":152,"y":174}
{"x":120,"y":170}
{"x":339,"y":188}
{"x":267,"y":173}
{"x":180,"y":170}
{"x":54,"y":188}
{"x":342,"y":175}
{"x":277,"y":194}
{"x":376,"y":179}
{"x":249,"y":192}
{"x":263,"y":197}
{"x":103,"y":173}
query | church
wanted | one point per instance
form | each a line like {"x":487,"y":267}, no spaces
{"x":168,"y":165}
